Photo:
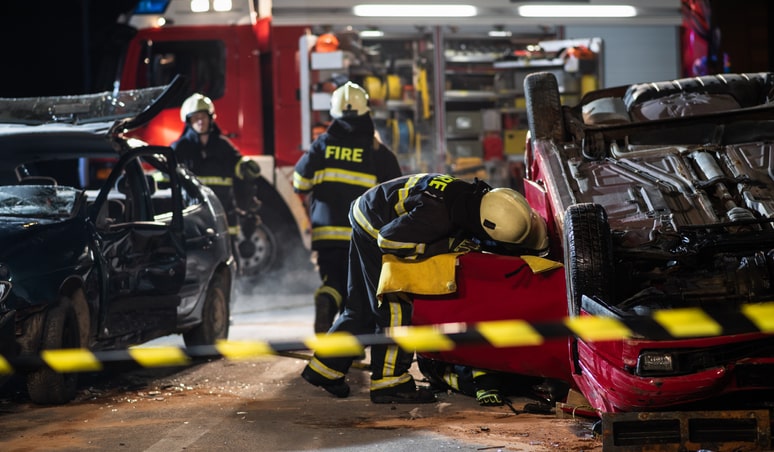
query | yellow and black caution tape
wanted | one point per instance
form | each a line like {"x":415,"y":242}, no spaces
{"x":662,"y":325}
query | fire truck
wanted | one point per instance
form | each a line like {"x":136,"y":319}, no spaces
{"x":230,"y":52}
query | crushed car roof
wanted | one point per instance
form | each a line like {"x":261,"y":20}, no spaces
{"x":107,"y":112}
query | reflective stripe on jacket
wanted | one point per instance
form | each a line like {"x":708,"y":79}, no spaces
{"x":408,"y":216}
{"x":341,"y":164}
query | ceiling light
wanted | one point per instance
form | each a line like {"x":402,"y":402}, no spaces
{"x":200,"y":6}
{"x":577,"y":11}
{"x":221,"y":5}
{"x":394,"y":10}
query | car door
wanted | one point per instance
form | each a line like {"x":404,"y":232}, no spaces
{"x":143,"y":260}
{"x":205,"y":230}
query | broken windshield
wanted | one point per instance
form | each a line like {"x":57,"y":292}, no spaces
{"x":87,"y":108}
{"x":38,"y":201}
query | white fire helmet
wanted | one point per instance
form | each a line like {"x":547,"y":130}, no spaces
{"x":349,"y":99}
{"x":507,"y":217}
{"x":197,"y":102}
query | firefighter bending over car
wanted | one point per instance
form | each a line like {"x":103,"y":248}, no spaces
{"x":416,"y":217}
{"x":341,"y":164}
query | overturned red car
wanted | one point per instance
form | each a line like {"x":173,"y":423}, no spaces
{"x":658,"y":197}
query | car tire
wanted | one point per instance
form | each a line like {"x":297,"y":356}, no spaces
{"x":60,"y":330}
{"x":215,"y":315}
{"x":544,"y":106}
{"x":256,"y":250}
{"x":291,"y":254}
{"x":588,"y":255}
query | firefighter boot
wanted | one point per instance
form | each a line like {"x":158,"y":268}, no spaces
{"x":325,"y":310}
{"x":337,"y":387}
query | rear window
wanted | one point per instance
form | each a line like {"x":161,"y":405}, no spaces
{"x":202,"y":63}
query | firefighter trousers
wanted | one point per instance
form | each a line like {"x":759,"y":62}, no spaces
{"x":364,"y":313}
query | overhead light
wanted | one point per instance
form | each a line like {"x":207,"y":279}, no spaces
{"x":394,"y":10}
{"x":577,"y":11}
{"x":373,"y":33}
{"x":200,"y":6}
{"x":221,"y":5}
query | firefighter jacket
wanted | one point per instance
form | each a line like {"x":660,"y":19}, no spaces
{"x":215,"y":165}
{"x":341,"y":164}
{"x":414,"y":216}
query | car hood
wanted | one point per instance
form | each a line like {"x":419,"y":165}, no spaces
{"x":15,"y":233}
{"x":109,"y":112}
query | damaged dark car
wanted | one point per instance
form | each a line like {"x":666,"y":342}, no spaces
{"x":105,"y":241}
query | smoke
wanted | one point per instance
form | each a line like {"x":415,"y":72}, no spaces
{"x":294,"y":274}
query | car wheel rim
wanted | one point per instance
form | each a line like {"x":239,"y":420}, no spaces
{"x":256,"y":251}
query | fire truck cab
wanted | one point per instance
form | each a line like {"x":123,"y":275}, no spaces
{"x":229,"y":51}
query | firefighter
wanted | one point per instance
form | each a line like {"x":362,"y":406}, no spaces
{"x":415,"y":217}
{"x":214,"y":159}
{"x":492,"y":388}
{"x":341,"y":164}
{"x":485,"y":386}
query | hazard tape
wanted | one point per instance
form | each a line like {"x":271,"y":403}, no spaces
{"x":662,"y":325}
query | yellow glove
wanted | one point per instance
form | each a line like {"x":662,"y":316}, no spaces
{"x":489,"y":397}
{"x":463,"y":246}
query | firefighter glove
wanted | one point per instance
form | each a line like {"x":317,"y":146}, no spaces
{"x":464,"y":245}
{"x":248,"y":169}
{"x":489,"y":397}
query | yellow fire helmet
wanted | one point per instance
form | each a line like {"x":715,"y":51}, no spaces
{"x":197,"y":102}
{"x":349,"y":99}
{"x":507,"y":217}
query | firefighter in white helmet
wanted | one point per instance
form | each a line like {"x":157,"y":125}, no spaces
{"x":415,"y":217}
{"x":341,"y":164}
{"x":213,"y":158}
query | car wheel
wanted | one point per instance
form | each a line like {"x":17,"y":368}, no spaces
{"x":544,"y":107}
{"x":60,"y":330}
{"x":290,"y":255}
{"x":588,"y":255}
{"x":215,"y":315}
{"x":256,"y":250}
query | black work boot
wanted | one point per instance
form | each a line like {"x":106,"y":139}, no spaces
{"x":325,"y":311}
{"x":337,"y":387}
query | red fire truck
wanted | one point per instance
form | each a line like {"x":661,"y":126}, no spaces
{"x":230,"y":52}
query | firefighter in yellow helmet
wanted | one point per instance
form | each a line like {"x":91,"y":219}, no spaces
{"x":415,"y":217}
{"x":213,"y":158}
{"x":341,"y":164}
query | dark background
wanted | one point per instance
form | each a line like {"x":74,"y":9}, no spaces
{"x":53,"y":47}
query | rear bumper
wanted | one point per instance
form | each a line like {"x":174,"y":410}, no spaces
{"x":611,"y":388}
